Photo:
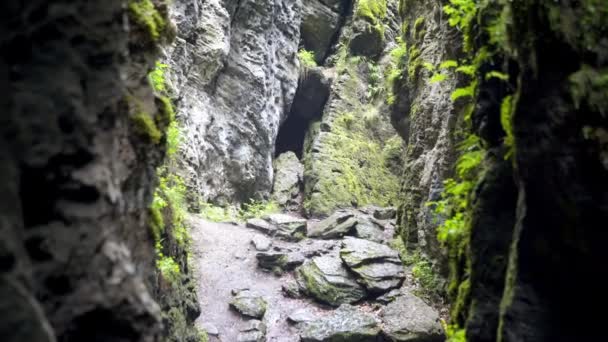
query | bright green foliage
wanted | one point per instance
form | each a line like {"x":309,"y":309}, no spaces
{"x":157,"y":78}
{"x":145,"y":125}
{"x":497,"y":74}
{"x":168,"y":268}
{"x":426,"y":277}
{"x":448,"y":64}
{"x":215,"y":213}
{"x":257,"y":209}
{"x":461,"y":14}
{"x":506,"y":112}
{"x":372,"y":10}
{"x":467,"y":69}
{"x":145,"y":14}
{"x":428,"y":66}
{"x":414,"y":63}
{"x":307,"y":58}
{"x":468,"y":91}
{"x":173,"y":139}
{"x":437,"y":78}
{"x":453,"y":333}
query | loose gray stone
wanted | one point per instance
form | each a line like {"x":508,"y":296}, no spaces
{"x":301,"y":315}
{"x":291,"y":289}
{"x":288,"y":227}
{"x":369,"y":230}
{"x":335,"y":226}
{"x":262,"y":226}
{"x":325,"y":279}
{"x":253,"y":331}
{"x":347,"y":323}
{"x":249,"y":304}
{"x":261,"y":243}
{"x":376,"y":266}
{"x":408,"y":318}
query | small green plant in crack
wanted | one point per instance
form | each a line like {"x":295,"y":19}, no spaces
{"x":307,"y":58}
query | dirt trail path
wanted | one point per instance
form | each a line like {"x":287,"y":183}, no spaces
{"x":225,"y":260}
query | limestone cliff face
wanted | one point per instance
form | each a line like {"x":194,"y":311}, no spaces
{"x":427,"y":119}
{"x":352,"y":155}
{"x":81,"y":136}
{"x":233,"y":71}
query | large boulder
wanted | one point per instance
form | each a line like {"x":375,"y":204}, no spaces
{"x":367,"y":40}
{"x":248,"y":304}
{"x":287,"y":186}
{"x":409,"y":319}
{"x":279,"y":261}
{"x":325,"y":279}
{"x":347,"y":323}
{"x":376,"y":266}
{"x":288,"y":227}
{"x":335,"y":226}
{"x":370,"y":230}
{"x":262,"y":226}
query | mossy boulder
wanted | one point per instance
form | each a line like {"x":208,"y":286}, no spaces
{"x":252,"y":331}
{"x":326,"y":280}
{"x":347,"y":323}
{"x":408,"y":318}
{"x":377,"y":266}
{"x":335,"y":226}
{"x":288,"y":227}
{"x":248,"y":304}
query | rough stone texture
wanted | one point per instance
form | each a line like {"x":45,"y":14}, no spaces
{"x":261,"y":243}
{"x":253,"y":331}
{"x":77,"y":174}
{"x":279,"y":261}
{"x":233,"y":69}
{"x":248,"y":304}
{"x":347,"y":152}
{"x":384,"y":213}
{"x":288,"y":227}
{"x":321,"y":21}
{"x":346,"y":323}
{"x":369,"y":230}
{"x":262,"y":226}
{"x":300,"y":316}
{"x":325,"y":279}
{"x":408,"y":318}
{"x":337,"y":225}
{"x":288,"y":181}
{"x":426,"y":118}
{"x":377,"y":266}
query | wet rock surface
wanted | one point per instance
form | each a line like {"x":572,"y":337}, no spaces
{"x":408,"y":318}
{"x":346,"y":289}
{"x":248,"y":303}
{"x":347,"y":323}
{"x":327,"y":280}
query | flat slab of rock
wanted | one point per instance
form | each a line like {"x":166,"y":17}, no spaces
{"x":261,"y":243}
{"x":335,"y":226}
{"x":262,"y":226}
{"x":248,"y":304}
{"x":288,"y":227}
{"x":368,"y":230}
{"x":376,"y":266}
{"x":253,"y":331}
{"x":345,"y":324}
{"x":408,"y":318}
{"x":301,"y":316}
{"x":327,"y":280}
{"x":279,"y":261}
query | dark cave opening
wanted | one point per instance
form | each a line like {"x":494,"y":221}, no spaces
{"x":291,"y":135}
{"x":307,"y":107}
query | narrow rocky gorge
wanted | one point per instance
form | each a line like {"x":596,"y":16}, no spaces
{"x":303,"y":170}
